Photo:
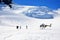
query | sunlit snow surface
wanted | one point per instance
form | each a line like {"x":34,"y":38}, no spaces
{"x":20,"y":15}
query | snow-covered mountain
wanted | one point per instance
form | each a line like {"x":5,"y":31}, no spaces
{"x":21,"y":15}
{"x":41,"y":12}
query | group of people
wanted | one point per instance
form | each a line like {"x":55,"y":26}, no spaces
{"x":17,"y":27}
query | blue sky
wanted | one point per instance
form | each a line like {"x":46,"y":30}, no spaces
{"x":53,"y":4}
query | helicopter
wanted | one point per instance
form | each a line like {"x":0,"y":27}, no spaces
{"x":7,"y":2}
{"x":44,"y":25}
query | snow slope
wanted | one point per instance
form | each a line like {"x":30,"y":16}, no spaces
{"x":10,"y":18}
